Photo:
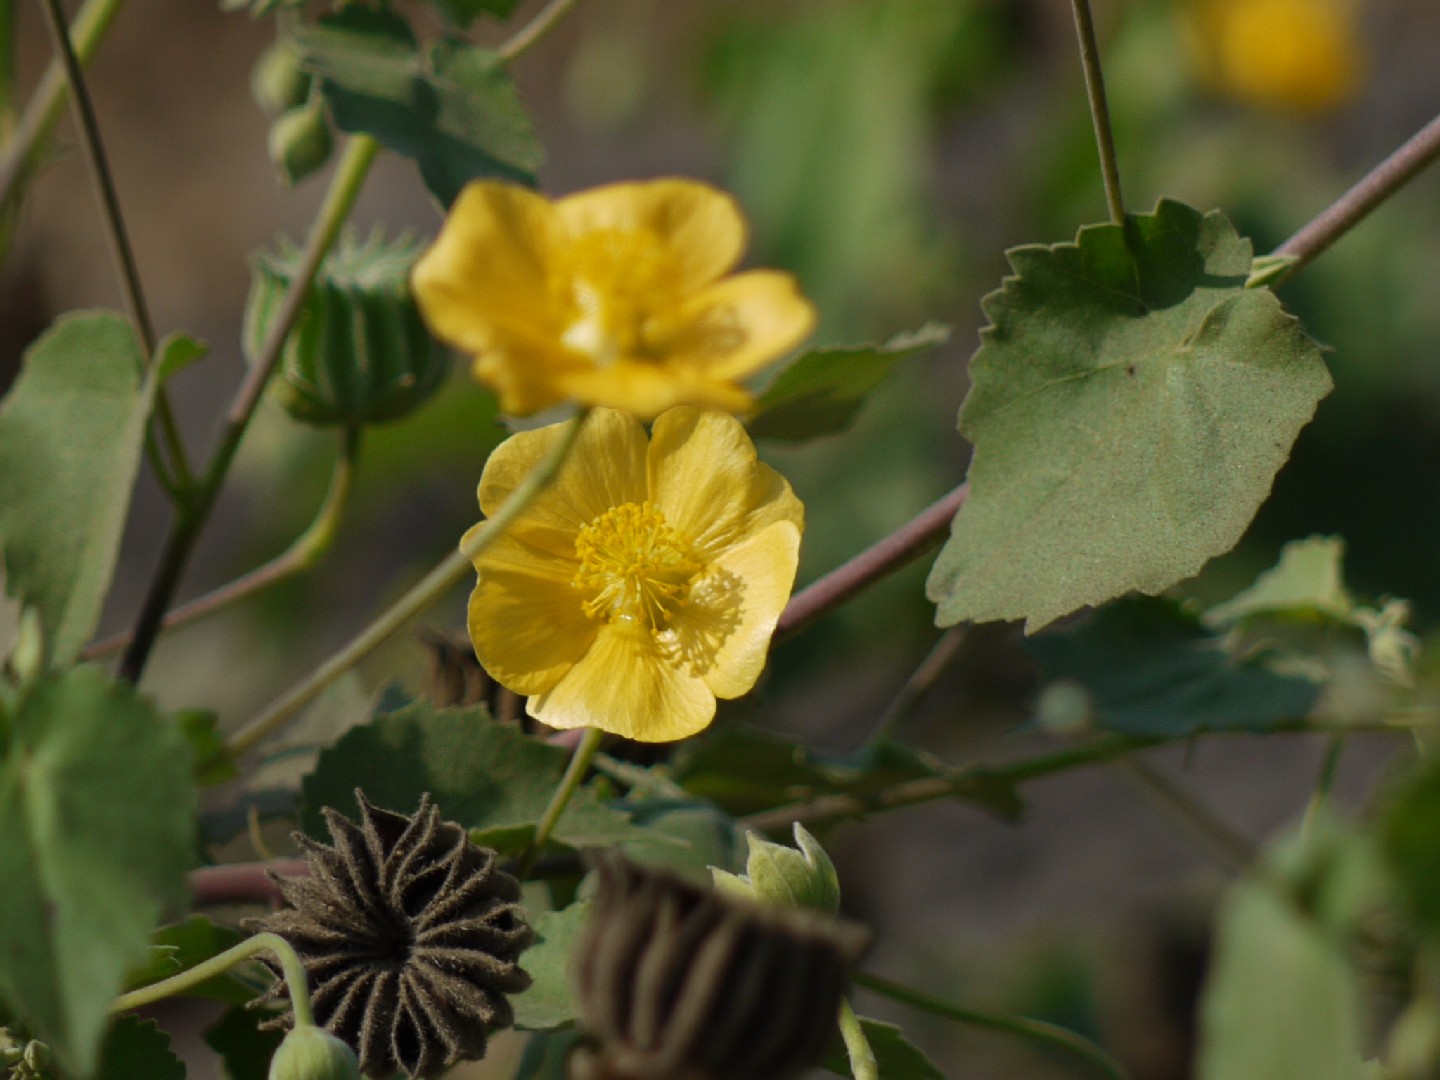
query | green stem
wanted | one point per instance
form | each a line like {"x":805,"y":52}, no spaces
{"x":47,"y":103}
{"x":345,"y":186}
{"x":303,"y":554}
{"x":971,"y":781}
{"x":574,"y":772}
{"x":176,"y":478}
{"x":1323,"y":784}
{"x":1228,"y":846}
{"x":295,"y":985}
{"x":534,"y":30}
{"x":444,"y":577}
{"x":1050,"y":1035}
{"x":1099,"y":110}
{"x":857,"y":1046}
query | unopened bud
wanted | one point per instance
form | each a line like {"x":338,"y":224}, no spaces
{"x":277,"y":81}
{"x":312,"y":1053}
{"x":300,"y":142}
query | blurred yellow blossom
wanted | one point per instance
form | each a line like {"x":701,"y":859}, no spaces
{"x":645,"y":582}
{"x":1297,"y":54}
{"x":619,"y":296}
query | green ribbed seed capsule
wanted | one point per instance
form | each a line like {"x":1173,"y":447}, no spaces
{"x":359,"y":352}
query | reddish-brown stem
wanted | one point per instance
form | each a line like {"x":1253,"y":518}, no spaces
{"x":883,"y":557}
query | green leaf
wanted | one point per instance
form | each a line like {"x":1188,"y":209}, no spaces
{"x":745,"y":770}
{"x":451,"y":107}
{"x":213,"y":763}
{"x":492,"y":779}
{"x":11,"y":613}
{"x":99,"y":815}
{"x":176,"y":353}
{"x":71,"y":433}
{"x":1130,"y":405}
{"x":820,"y":393}
{"x":896,"y":1057}
{"x":245,"y":1049}
{"x":1152,"y":668}
{"x":461,"y":13}
{"x":136,"y":1048}
{"x":1306,"y":582}
{"x":181,"y":946}
{"x":1281,"y":1001}
{"x":1408,"y":831}
{"x":685,"y":835}
{"x":546,"y":1056}
{"x":550,"y":1003}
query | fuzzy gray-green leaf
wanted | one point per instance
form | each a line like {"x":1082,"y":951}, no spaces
{"x":1131,"y":402}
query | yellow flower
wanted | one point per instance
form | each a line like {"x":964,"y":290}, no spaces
{"x":645,"y":582}
{"x":1299,"y":54}
{"x":616,"y":296}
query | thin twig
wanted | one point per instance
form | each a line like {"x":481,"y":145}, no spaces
{"x":177,"y":477}
{"x":1099,"y":110}
{"x":1374,"y":188}
{"x":973,"y":780}
{"x":1038,"y":1031}
{"x":303,"y":554}
{"x":1323,"y":783}
{"x":439,"y":581}
{"x":190,"y":519}
{"x":1227,"y":845}
{"x":885,"y":556}
{"x":921,"y":680}
{"x":534,"y":30}
{"x":47,"y":103}
{"x":575,"y":771}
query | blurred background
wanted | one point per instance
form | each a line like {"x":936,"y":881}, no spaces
{"x":887,"y":152}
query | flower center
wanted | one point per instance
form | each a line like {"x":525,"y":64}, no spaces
{"x":635,"y":567}
{"x":611,"y":280}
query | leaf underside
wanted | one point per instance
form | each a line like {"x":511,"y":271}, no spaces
{"x":1131,"y":402}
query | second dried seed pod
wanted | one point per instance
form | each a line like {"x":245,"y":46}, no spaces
{"x":678,"y":982}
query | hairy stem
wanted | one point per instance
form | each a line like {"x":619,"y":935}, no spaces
{"x":885,"y":556}
{"x":1052,"y":1036}
{"x":574,"y":772}
{"x":1370,"y":191}
{"x":175,"y":475}
{"x":534,"y":30}
{"x":295,"y":985}
{"x":972,"y":780}
{"x":303,"y":554}
{"x":444,"y":577}
{"x":857,"y":1046}
{"x":344,"y":187}
{"x":1099,"y":109}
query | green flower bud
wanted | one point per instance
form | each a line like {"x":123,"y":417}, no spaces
{"x":789,"y":878}
{"x":277,"y":81}
{"x":300,"y":142}
{"x":359,"y":352}
{"x":312,"y":1053}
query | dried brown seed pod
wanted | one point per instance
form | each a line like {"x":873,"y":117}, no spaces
{"x":677,"y":982}
{"x":409,"y":935}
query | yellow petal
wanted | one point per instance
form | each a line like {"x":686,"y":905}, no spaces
{"x":699,"y":228}
{"x":705,"y":478}
{"x":723,"y":632}
{"x":624,"y":686}
{"x":528,"y":630}
{"x":648,"y":389}
{"x":489,"y":266}
{"x":735,"y":327}
{"x":605,"y":467}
